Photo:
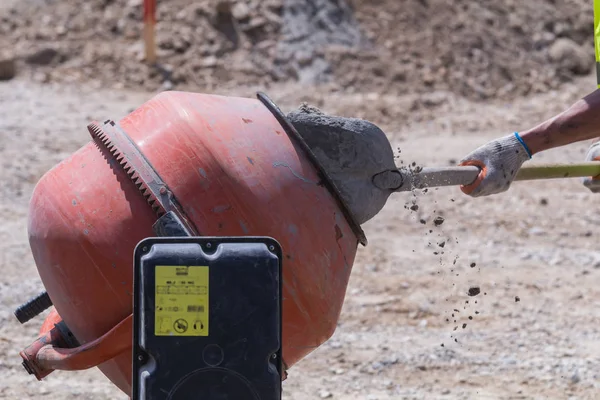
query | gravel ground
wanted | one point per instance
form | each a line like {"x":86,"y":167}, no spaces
{"x":534,"y":328}
{"x":481,"y":50}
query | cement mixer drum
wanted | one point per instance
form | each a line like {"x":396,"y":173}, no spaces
{"x":229,"y":167}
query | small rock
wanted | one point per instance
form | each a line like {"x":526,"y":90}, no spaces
{"x":167,"y":85}
{"x":543,"y":39}
{"x":434,"y":99}
{"x":43,"y":57}
{"x":544,"y":201}
{"x":209,"y":62}
{"x":41,"y":77}
{"x":223,"y":6}
{"x":8,"y":68}
{"x":398,"y":75}
{"x":256,"y":22}
{"x":134,"y":3}
{"x":372,"y":268}
{"x":240,"y":11}
{"x":438,"y":221}
{"x":536,"y":231}
{"x":324,"y":394}
{"x":304,"y":57}
{"x":515,"y":22}
{"x":44,"y":391}
{"x":527,"y":256}
{"x":517,"y":299}
{"x":474,"y":291}
{"x":428,"y":78}
{"x":571,"y":56}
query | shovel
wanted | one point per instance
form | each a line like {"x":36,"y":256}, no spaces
{"x":359,"y":159}
{"x":465,"y":175}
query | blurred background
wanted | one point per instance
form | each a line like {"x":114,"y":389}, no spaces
{"x":440,"y":78}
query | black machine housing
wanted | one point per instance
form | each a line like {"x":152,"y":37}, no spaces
{"x":207,"y":319}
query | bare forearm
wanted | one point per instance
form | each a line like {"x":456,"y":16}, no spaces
{"x":579,"y":122}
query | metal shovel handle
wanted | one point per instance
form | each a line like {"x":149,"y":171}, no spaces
{"x":455,"y":176}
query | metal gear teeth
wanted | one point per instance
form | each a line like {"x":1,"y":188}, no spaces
{"x":94,"y":129}
{"x":97,"y":133}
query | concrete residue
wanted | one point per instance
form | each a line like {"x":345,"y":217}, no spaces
{"x":438,"y":221}
{"x":352,"y":151}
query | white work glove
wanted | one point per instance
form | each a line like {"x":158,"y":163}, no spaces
{"x":593,"y":154}
{"x":499,"y":161}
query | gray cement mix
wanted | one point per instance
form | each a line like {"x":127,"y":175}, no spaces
{"x":352,"y":151}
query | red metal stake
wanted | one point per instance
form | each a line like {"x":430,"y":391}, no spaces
{"x":149,"y":36}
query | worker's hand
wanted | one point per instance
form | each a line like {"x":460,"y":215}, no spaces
{"x":593,"y":182}
{"x":499,"y":161}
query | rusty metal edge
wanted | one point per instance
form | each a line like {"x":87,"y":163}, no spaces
{"x":291,"y":131}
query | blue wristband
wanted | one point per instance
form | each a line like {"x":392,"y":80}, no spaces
{"x":523,"y":143}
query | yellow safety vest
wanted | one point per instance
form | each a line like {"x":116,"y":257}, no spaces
{"x":597,"y":38}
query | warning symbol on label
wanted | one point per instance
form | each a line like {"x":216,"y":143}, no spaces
{"x":198,"y":326}
{"x":180,"y":326}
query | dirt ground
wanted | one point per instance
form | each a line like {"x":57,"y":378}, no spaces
{"x":408,"y":329}
{"x":479,"y":49}
{"x":536,"y":242}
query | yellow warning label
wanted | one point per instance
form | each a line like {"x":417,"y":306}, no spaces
{"x":181,"y":301}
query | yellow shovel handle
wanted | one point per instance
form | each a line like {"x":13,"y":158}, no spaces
{"x":554,"y":171}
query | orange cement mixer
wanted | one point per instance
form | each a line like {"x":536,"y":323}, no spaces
{"x":212,"y":166}
{"x":225,"y":166}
